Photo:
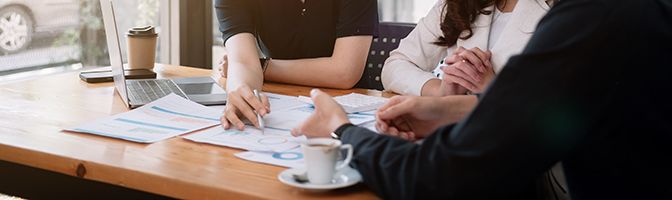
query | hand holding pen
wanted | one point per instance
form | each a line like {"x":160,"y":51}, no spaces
{"x":243,"y":104}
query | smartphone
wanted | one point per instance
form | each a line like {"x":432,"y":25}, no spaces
{"x":99,"y":76}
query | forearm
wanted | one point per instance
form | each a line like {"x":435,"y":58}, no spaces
{"x":456,"y":107}
{"x":318,"y":72}
{"x":341,"y":70}
{"x":244,"y":67}
{"x":405,"y":77}
{"x":240,"y":74}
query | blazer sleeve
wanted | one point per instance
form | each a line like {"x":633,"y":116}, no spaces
{"x":410,"y":66}
{"x":518,"y":130}
{"x":235,"y":16}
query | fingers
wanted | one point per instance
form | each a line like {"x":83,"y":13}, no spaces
{"x":225,"y":122}
{"x":253,"y":101}
{"x":296,"y":132}
{"x":397,"y":110}
{"x":393,"y":101}
{"x":265,"y":102}
{"x":460,"y":81}
{"x":457,"y":71}
{"x":459,"y":50}
{"x":381,"y":126}
{"x":465,"y":70}
{"x":328,"y":116}
{"x":232,"y":119}
{"x":324,"y":102}
{"x":392,"y":131}
{"x":455,"y":57}
{"x":484,"y":56}
{"x":474,"y":60}
{"x":243,"y":101}
{"x":452,"y":59}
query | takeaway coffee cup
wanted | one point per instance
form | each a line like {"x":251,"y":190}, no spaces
{"x":321,"y":156}
{"x":141,"y":44}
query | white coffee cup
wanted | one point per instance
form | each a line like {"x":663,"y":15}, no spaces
{"x":321,"y":156}
{"x":141,"y":45}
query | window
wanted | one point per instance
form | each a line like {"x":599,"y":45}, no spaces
{"x":49,"y":36}
{"x":409,"y":11}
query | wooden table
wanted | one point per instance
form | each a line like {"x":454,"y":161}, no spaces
{"x":34,"y":112}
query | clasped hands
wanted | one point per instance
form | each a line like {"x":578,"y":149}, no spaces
{"x":466,"y":70}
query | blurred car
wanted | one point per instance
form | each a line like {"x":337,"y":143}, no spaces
{"x":22,"y":20}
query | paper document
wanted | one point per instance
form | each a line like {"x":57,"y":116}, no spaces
{"x":164,"y":118}
{"x":282,"y":102}
{"x":277,"y":133}
{"x":354,"y":102}
{"x":250,"y":139}
{"x":292,"y":158}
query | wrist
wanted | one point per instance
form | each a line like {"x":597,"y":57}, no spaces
{"x":336,"y":123}
{"x":431,"y":88}
{"x":338,"y":133}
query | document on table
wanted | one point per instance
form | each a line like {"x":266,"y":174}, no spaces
{"x":164,"y":118}
{"x":277,"y":133}
{"x":292,"y":158}
{"x":251,"y":138}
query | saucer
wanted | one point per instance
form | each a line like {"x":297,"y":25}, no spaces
{"x":343,"y":178}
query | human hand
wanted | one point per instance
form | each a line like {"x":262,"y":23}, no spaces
{"x":328,"y":116}
{"x":471,"y":69}
{"x":241,"y":102}
{"x":412,"y":118}
{"x":222,"y":66}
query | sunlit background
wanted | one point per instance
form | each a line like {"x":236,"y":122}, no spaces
{"x":39,"y":37}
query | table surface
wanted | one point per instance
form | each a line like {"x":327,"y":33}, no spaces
{"x":34,"y":112}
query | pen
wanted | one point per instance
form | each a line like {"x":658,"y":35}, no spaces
{"x":259,"y":119}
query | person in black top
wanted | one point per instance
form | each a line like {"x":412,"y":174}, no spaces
{"x":322,"y":43}
{"x":587,"y":91}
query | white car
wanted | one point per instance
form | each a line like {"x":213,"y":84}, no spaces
{"x":22,"y":20}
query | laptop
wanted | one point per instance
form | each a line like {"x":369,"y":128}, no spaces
{"x":138,"y":92}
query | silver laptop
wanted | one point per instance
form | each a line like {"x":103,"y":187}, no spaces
{"x":139,"y":92}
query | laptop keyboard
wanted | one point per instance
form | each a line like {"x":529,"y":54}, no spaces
{"x":145,"y":91}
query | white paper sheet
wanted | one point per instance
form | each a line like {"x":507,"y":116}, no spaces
{"x":164,"y":118}
{"x":250,"y":139}
{"x":277,"y":133}
{"x":281,"y":102}
{"x":292,"y":158}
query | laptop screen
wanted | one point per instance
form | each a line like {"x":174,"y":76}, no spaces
{"x":114,"y":48}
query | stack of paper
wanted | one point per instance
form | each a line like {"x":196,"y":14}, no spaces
{"x":164,"y":118}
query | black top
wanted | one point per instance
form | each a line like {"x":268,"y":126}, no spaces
{"x":588,"y":90}
{"x":290,"y":29}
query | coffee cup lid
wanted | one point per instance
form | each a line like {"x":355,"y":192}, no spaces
{"x":144,"y":31}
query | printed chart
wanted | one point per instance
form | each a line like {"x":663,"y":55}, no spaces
{"x":164,"y":118}
{"x":292,"y":158}
{"x":250,"y":139}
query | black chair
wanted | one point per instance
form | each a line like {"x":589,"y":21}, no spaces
{"x":389,"y":35}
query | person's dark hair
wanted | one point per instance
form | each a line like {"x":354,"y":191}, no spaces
{"x":458,"y":17}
